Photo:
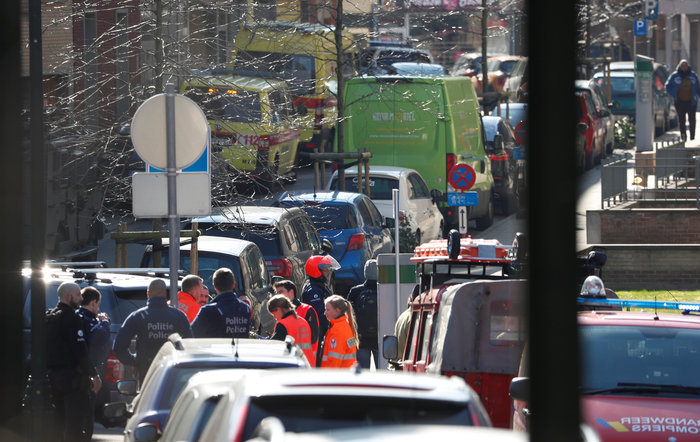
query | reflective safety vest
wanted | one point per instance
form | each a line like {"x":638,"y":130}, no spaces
{"x":187,"y":304}
{"x":340,"y":345}
{"x":299,"y":329}
{"x":302,"y":311}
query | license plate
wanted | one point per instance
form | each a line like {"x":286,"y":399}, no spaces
{"x":462,"y":199}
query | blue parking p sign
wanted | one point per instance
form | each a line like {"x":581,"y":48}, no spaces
{"x":640,"y":28}
{"x":651,"y":9}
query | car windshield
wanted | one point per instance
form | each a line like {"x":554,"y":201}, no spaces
{"x":264,"y":236}
{"x":619,"y":85}
{"x":330,"y":217}
{"x":301,"y":414}
{"x":208,"y":263}
{"x":299,"y":71}
{"x":227,"y":103}
{"x":505,"y":66}
{"x":380,"y":188}
{"x":491,"y":129}
{"x":637,"y":355}
{"x":389,"y":57}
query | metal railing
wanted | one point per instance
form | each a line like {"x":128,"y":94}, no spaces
{"x":667,"y":173}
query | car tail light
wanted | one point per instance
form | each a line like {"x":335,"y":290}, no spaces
{"x":114,"y":371}
{"x":280,"y":267}
{"x":451,"y":161}
{"x":356,"y":242}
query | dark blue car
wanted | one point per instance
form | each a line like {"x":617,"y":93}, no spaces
{"x":352,"y":223}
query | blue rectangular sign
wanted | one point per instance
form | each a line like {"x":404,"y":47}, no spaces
{"x":462,"y":199}
{"x":651,"y":9}
{"x":640,"y":28}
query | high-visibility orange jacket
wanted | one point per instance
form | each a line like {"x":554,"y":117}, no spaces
{"x":299,"y":329}
{"x":340,"y":345}
{"x":309,"y":314}
{"x":188,"y":305}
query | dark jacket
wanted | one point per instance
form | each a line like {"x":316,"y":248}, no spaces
{"x":674,"y":82}
{"x":315,"y":292}
{"x":98,"y":338}
{"x":224,"y":317}
{"x":67,"y":349}
{"x":363,"y":298}
{"x":151,"y":325}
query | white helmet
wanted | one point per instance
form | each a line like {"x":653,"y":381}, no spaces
{"x":593,"y":287}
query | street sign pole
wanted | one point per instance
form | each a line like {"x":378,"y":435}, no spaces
{"x":395,"y":202}
{"x":173,"y":218}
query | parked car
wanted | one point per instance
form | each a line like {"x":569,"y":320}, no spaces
{"x":507,"y":163}
{"x":408,"y":433}
{"x":515,"y":81}
{"x":467,"y":64}
{"x":622,"y":88}
{"x":499,"y":69}
{"x":252,"y":121}
{"x":417,"y":208}
{"x":638,"y":375}
{"x":243,"y":258}
{"x":286,"y":236}
{"x":430,"y":124}
{"x":179,"y":359}
{"x":595,"y":132}
{"x":410,"y":68}
{"x":353,"y":225}
{"x":603,"y":111}
{"x":313,"y":400}
{"x":122,"y":293}
{"x":515,"y":113}
{"x":377,"y":58}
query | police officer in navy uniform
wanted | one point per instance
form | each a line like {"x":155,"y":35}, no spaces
{"x":151,"y":325}
{"x":319,"y":269}
{"x":363,"y":298}
{"x":96,"y":328}
{"x":225,"y":316}
{"x":71,"y":374}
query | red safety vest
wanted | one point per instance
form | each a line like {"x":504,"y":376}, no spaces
{"x":299,"y":329}
{"x":302,"y":310}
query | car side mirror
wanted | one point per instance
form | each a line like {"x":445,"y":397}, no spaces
{"x":389,"y":223}
{"x":390,"y":348}
{"x":326,"y":246}
{"x":128,"y":387}
{"x":520,"y":389}
{"x":146,"y":432}
{"x":115,"y":411}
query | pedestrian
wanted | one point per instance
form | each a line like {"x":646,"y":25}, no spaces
{"x":203,"y":296}
{"x":684,"y":86}
{"x":288,"y":323}
{"x":226,"y":316}
{"x":340,"y":343}
{"x":71,"y":374}
{"x":188,"y":298}
{"x":151,"y":326}
{"x":404,"y":320}
{"x":304,"y":310}
{"x":318,"y":268}
{"x":363,"y":298}
{"x":96,"y":329}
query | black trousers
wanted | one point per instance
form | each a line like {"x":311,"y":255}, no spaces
{"x":73,"y":411}
{"x":683,"y":108}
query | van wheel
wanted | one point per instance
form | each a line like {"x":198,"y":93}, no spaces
{"x":485,"y":221}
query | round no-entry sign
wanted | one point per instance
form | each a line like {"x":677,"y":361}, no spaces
{"x":461,"y":176}
{"x":520,"y":132}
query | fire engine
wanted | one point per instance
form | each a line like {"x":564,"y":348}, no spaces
{"x":468,"y":319}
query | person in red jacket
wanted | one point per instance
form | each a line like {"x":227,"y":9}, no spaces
{"x":188,"y":298}
{"x":288,"y":323}
{"x":289,"y":289}
{"x":341,"y":342}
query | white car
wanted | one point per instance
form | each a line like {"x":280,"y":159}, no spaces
{"x":415,"y":200}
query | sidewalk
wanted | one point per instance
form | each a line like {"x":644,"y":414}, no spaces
{"x":675,"y":133}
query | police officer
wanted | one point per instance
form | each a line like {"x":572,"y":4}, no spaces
{"x":96,"y":331}
{"x":363,"y":298}
{"x":151,"y":325}
{"x":71,"y":374}
{"x":225,"y":316}
{"x":319,"y":268}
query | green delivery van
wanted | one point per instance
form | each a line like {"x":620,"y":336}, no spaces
{"x":432,"y":125}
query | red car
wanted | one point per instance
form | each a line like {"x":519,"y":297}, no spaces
{"x":639,"y":376}
{"x":595,"y":132}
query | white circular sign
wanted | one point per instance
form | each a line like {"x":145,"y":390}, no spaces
{"x":148,"y":132}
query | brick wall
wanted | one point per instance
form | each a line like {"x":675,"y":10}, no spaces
{"x":649,"y":226}
{"x":651,"y":267}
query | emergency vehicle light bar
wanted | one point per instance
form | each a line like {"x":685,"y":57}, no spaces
{"x":635,"y":303}
{"x":471,"y":250}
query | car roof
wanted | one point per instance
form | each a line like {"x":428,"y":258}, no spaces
{"x":648,"y":319}
{"x":220,"y":244}
{"x":238,"y":81}
{"x":243,"y":350}
{"x":94,"y":276}
{"x":387,"y":171}
{"x":247,"y":215}
{"x":409,"y":433}
{"x":411,"y":68}
{"x":323,"y":196}
{"x":620,"y":73}
{"x":349,"y":382}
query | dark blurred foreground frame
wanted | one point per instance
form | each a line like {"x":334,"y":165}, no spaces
{"x":552,"y":203}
